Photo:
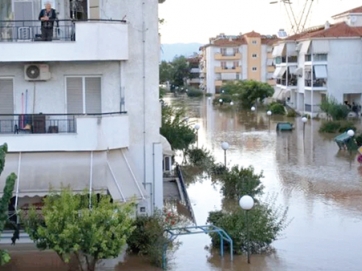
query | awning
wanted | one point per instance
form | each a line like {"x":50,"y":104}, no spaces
{"x":282,"y":71}
{"x":269,"y":62}
{"x":278,"y":50}
{"x":320,"y":71}
{"x":277,"y":92}
{"x":299,"y":71}
{"x":291,"y":49}
{"x":103,"y":171}
{"x":286,"y":93}
{"x":305,"y":47}
{"x":276,"y":72}
{"x":292,"y":69}
{"x":320,"y":46}
{"x":166,"y":146}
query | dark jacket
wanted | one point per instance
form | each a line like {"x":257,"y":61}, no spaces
{"x":52,"y":17}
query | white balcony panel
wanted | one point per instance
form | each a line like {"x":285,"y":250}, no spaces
{"x":95,"y":41}
{"x":93,"y":133}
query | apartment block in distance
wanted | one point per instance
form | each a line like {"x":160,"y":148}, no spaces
{"x":82,"y":110}
{"x":229,"y":58}
{"x":323,"y":61}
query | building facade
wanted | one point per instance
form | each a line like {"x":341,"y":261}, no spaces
{"x":324,"y":61}
{"x":241,"y":57}
{"x":83,"y":109}
{"x":194,"y":66}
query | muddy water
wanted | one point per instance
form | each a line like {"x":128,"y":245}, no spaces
{"x":321,"y":186}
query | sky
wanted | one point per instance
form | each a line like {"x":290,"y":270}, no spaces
{"x":188,"y":21}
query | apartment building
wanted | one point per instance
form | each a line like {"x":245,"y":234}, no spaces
{"x":323,"y":61}
{"x":194,"y":67}
{"x":83,"y":109}
{"x":229,"y":58}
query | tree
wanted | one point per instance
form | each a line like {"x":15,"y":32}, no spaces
{"x":180,"y":70}
{"x":248,"y":92}
{"x":69,"y":227}
{"x":165,"y":72}
{"x":5,"y":200}
{"x":175,"y":129}
{"x":333,"y":109}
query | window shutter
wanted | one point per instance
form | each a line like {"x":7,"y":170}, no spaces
{"x":6,"y":105}
{"x":93,"y":100}
{"x":75,"y":95}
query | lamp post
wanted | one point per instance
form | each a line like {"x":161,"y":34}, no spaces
{"x":269,"y":113}
{"x":304,"y":120}
{"x":231,"y":103}
{"x":225,"y":147}
{"x":220,"y":101}
{"x":350,"y":145}
{"x":197,"y":127}
{"x":247,"y":203}
{"x":252,"y":108}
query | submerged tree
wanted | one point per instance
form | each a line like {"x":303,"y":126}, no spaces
{"x":70,"y":228}
{"x":5,"y":200}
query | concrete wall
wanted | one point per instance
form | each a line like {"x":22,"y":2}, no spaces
{"x":210,"y":71}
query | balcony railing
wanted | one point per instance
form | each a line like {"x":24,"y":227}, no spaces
{"x":40,"y":123}
{"x":316,"y":83}
{"x":289,"y":82}
{"x":309,"y":107}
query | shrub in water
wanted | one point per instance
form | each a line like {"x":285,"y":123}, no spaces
{"x":193,"y":92}
{"x":277,"y":109}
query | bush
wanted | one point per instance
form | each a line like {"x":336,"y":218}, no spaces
{"x":334,"y":109}
{"x":162,"y":92}
{"x":336,"y":126}
{"x":226,"y":98}
{"x":193,"y":92}
{"x":208,"y":94}
{"x":359,"y":140}
{"x":267,"y":223}
{"x":277,"y":109}
{"x":292,"y":114}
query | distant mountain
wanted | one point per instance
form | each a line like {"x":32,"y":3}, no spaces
{"x":169,"y":51}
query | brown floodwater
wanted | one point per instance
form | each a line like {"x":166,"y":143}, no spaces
{"x":321,"y":186}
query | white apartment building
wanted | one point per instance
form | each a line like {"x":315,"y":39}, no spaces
{"x":322,"y":62}
{"x":241,"y":57}
{"x":83,"y":109}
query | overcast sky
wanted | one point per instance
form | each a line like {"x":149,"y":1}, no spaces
{"x":196,"y":20}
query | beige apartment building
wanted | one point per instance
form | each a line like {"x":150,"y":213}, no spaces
{"x":229,"y":58}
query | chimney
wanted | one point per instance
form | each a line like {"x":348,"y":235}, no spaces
{"x":327,"y":25}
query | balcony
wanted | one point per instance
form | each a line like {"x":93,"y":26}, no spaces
{"x":218,"y":83}
{"x":65,"y":132}
{"x":195,"y":70}
{"x":227,"y":69}
{"x":95,"y":40}
{"x":226,"y":56}
{"x":317,"y":84}
{"x":291,"y":82}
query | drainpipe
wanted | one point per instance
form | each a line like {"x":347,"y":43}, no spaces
{"x":287,"y":71}
{"x":144,"y":91}
{"x":311,"y":84}
{"x":17,"y":189}
{"x":154,"y":177}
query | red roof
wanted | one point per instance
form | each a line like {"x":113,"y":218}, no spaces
{"x":252,"y":34}
{"x":340,"y":30}
{"x":354,"y":10}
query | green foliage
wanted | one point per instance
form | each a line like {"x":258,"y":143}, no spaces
{"x":266,"y":219}
{"x":291,"y":113}
{"x":70,"y":228}
{"x":358,"y":139}
{"x":208,"y":94}
{"x":5,"y":200}
{"x":200,"y":157}
{"x":336,"y":127}
{"x":165,"y":72}
{"x":334,"y":109}
{"x":148,"y":238}
{"x":162,"y":92}
{"x":241,"y":181}
{"x":277,"y":109}
{"x":248,"y":92}
{"x":178,"y":133}
{"x":194,"y":92}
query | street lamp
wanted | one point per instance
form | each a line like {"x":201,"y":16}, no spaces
{"x":304,"y":120}
{"x":231,"y":103}
{"x":269,"y":113}
{"x":220,"y":101}
{"x":225,"y":147}
{"x":197,"y":127}
{"x":350,"y":133}
{"x":252,"y":108}
{"x":247,"y":203}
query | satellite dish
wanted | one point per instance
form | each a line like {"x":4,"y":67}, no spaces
{"x":33,"y":72}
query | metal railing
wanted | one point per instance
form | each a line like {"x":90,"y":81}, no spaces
{"x":309,"y":107}
{"x":42,"y":123}
{"x":30,"y":30}
{"x":184,"y":191}
{"x":289,"y":82}
{"x":316,"y":83}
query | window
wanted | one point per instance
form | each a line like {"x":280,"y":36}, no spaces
{"x":307,"y":58}
{"x":254,"y":55}
{"x":83,"y":95}
{"x":236,"y":50}
{"x":278,"y":60}
{"x":223,"y":65}
{"x":320,"y":57}
{"x":6,"y":104}
{"x":254,"y":69}
{"x":223,"y":51}
{"x":254,"y":42}
{"x":236,"y":64}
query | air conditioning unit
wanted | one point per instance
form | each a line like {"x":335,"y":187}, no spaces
{"x":37,"y":72}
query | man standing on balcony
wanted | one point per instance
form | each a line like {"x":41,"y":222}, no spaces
{"x":47,"y":17}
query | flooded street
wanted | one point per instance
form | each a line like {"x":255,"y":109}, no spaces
{"x":321,"y":186}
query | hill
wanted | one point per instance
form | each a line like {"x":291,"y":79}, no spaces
{"x":169,"y":51}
